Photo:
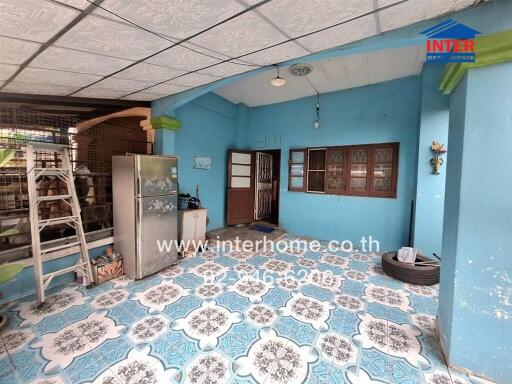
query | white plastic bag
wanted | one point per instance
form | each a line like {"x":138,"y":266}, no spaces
{"x":407,"y":255}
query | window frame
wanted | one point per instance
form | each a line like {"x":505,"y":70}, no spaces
{"x":394,"y":170}
{"x":347,"y":150}
{"x":343,"y":189}
{"x":304,"y":171}
{"x":306,"y":161}
{"x":366,"y":191}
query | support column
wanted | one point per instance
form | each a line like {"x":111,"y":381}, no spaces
{"x":475,"y":301}
{"x":165,"y":128}
{"x":430,"y":188}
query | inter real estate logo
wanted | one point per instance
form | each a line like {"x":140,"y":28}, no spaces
{"x":450,"y":42}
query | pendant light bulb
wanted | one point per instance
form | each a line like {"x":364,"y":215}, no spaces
{"x":278,"y":81}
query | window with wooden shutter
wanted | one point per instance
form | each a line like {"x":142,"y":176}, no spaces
{"x":296,"y":171}
{"x":316,"y":170}
{"x":336,"y":173}
{"x":385,"y":169}
{"x":355,"y":170}
{"x":359,"y":157}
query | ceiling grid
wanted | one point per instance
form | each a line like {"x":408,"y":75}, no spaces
{"x":161,"y":47}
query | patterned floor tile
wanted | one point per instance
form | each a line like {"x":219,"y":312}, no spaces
{"x":232,"y":317}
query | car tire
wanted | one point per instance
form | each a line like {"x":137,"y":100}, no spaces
{"x":410,"y":273}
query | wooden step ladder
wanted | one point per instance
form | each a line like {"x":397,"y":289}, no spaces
{"x":34,"y":175}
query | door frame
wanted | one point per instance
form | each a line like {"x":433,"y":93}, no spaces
{"x":230,"y":190}
{"x":276,"y":163}
{"x":276,"y":170}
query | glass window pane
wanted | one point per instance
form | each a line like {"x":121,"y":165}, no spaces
{"x":383,"y":155}
{"x":240,"y":182}
{"x":334,"y":183}
{"x":241,"y":158}
{"x":316,"y":181}
{"x":297,"y":182}
{"x":382,"y":184}
{"x":336,"y":157}
{"x":298,"y":157}
{"x":358,"y":170}
{"x":240,"y":170}
{"x":335,"y":170}
{"x":358,"y":183}
{"x":382,"y":170}
{"x":360,"y":156}
{"x":297,"y":170}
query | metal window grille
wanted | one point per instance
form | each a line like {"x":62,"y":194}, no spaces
{"x":91,"y":158}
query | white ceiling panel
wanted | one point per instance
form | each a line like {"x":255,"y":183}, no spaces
{"x":102,"y":36}
{"x":178,"y":19}
{"x":298,"y":17}
{"x":80,"y":4}
{"x":15,"y":51}
{"x":256,"y":90}
{"x":125,"y":85}
{"x":194,"y":79}
{"x":165,"y":89}
{"x":7,"y":70}
{"x":39,"y":89}
{"x":414,"y":11}
{"x":102,"y":44}
{"x":149,"y":72}
{"x":342,"y":34}
{"x":328,"y":75}
{"x":278,"y":54}
{"x":244,"y":34}
{"x":76,"y":61}
{"x":34,"y":20}
{"x":226,"y":69}
{"x":357,"y":70}
{"x":380,"y":67}
{"x":50,"y":76}
{"x":182,"y":58}
{"x":100,"y":93}
{"x":142,"y":96}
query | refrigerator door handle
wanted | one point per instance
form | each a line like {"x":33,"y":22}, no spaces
{"x":138,"y":186}
{"x":139,"y":228}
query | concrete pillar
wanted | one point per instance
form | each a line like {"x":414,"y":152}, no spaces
{"x":475,"y":303}
{"x":165,"y":142}
{"x":430,"y":188}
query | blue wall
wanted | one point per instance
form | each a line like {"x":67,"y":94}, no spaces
{"x":434,"y":115}
{"x":23,"y":284}
{"x":475,"y":309}
{"x":209,"y":129}
{"x":385,"y":112}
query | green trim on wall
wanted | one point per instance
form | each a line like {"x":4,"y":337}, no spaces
{"x":489,"y":49}
{"x":165,"y":122}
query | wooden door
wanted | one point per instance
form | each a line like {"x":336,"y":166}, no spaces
{"x":240,"y":198}
{"x":263,"y":178}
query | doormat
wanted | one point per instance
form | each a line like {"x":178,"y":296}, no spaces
{"x":262,"y":228}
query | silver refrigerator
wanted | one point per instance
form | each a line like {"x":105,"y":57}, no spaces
{"x":145,"y":200}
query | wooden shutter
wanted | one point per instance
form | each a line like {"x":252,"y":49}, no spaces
{"x":337,"y":169}
{"x":384,"y":164}
{"x":359,"y":172}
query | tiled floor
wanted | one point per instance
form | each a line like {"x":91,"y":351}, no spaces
{"x":200,"y":323}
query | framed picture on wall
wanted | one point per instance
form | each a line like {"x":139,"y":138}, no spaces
{"x":202,"y":162}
